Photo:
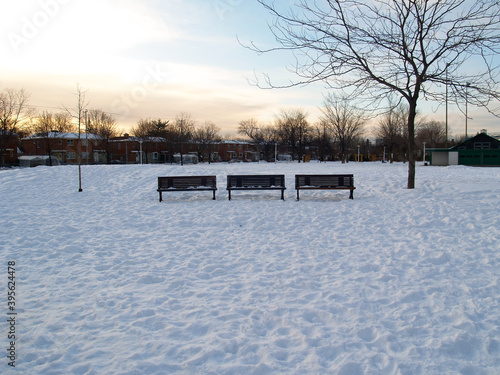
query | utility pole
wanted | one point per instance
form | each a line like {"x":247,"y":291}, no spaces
{"x":446,"y":106}
{"x":466,"y":107}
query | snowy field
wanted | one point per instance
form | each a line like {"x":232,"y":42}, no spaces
{"x":111,"y":281}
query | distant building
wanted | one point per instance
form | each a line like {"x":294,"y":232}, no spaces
{"x":236,"y":151}
{"x":128,"y":150}
{"x":133,"y":150}
{"x":480,"y":150}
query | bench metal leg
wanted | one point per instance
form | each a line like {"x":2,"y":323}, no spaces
{"x":214,"y":195}
{"x":160,"y":196}
{"x":351,"y":196}
{"x":297,"y":195}
{"x":282,"y":194}
{"x":229,"y":194}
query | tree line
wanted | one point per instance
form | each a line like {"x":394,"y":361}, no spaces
{"x":339,"y":133}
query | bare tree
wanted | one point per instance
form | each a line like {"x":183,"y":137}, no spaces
{"x":63,"y":123}
{"x":433,"y":133}
{"x":148,"y":130}
{"x":14,"y":112}
{"x":264,"y":137}
{"x":101,"y":123}
{"x":183,"y":130}
{"x":250,"y":128}
{"x":205,"y":137}
{"x":293,"y":129}
{"x":409,"y":48}
{"x":269,"y":137}
{"x":47,"y":125}
{"x":391,"y":130}
{"x":104,"y":125}
{"x":322,"y":139}
{"x":345,"y":121}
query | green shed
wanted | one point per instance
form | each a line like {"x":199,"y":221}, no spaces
{"x":480,"y":150}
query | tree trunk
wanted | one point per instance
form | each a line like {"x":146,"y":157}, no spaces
{"x":411,"y":144}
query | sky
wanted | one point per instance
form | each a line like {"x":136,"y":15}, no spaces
{"x":159,"y":59}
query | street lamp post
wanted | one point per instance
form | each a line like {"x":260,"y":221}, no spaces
{"x":446,"y":108}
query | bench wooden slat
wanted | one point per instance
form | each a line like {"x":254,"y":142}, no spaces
{"x":325,"y":181}
{"x":256,"y":182}
{"x":186,"y":183}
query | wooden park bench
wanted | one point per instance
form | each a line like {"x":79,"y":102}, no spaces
{"x":186,"y":183}
{"x":325,"y":181}
{"x":256,"y":182}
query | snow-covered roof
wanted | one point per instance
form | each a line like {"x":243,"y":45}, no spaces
{"x":34,"y":157}
{"x":62,"y":135}
{"x":232,"y":142}
{"x":138,"y":139}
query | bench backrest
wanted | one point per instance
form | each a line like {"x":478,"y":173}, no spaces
{"x":325,"y":180}
{"x":265,"y":181}
{"x":186,"y":182}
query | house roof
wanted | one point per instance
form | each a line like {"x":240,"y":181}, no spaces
{"x":480,"y":137}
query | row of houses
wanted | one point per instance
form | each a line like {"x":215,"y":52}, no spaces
{"x":74,"y":148}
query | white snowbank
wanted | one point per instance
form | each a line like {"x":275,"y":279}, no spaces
{"x":111,"y":281}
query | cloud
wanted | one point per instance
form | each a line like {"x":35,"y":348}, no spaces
{"x":78,"y":36}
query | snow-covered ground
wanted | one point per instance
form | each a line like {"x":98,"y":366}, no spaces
{"x":111,"y":281}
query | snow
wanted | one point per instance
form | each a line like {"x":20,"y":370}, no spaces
{"x":111,"y":281}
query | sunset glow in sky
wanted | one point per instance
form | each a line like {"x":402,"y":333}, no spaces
{"x":142,"y":59}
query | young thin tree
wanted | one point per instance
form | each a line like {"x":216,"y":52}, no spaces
{"x":79,"y":113}
{"x":411,"y":48}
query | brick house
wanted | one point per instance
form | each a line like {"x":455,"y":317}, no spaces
{"x":127,"y":149}
{"x":66,"y":147}
{"x":236,"y":150}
